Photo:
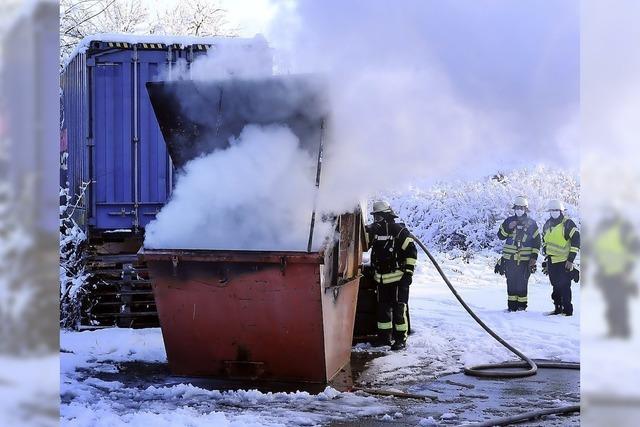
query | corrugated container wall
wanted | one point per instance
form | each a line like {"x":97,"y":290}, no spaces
{"x":109,"y":136}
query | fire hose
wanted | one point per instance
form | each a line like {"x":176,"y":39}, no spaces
{"x":505,"y":369}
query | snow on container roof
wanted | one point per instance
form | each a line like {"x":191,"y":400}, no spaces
{"x":257,"y":41}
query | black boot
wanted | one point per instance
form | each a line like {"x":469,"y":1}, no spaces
{"x":383,"y":339}
{"x":399,"y":345}
{"x":557,"y":310}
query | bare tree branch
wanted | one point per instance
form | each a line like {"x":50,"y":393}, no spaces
{"x":80,"y":18}
{"x":88,"y":18}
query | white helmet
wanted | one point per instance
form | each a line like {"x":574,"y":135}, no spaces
{"x":555,"y":204}
{"x":382,"y":207}
{"x":520,"y":201}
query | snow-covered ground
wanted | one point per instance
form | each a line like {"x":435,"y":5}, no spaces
{"x":445,"y":340}
{"x":28,"y":391}
{"x":609,"y":366}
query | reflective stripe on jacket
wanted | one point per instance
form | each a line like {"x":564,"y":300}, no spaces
{"x":404,"y":252}
{"x":521,"y":243}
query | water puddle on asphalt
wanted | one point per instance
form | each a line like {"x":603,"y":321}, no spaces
{"x":460,"y":398}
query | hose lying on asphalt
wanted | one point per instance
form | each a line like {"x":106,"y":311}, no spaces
{"x":505,"y":421}
{"x":505,"y":369}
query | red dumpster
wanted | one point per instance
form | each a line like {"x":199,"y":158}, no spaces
{"x":285,"y":316}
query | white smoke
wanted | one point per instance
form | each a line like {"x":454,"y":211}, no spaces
{"x":230,"y":60}
{"x":396,"y":117}
{"x":397,"y":114}
{"x":257,"y":194}
{"x":392,"y":126}
{"x":225,"y":58}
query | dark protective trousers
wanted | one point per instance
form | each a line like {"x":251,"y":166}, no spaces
{"x":517,"y":274}
{"x":617,"y":291}
{"x":393,"y":299}
{"x":561,"y":281}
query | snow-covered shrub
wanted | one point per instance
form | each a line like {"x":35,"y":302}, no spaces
{"x":464,"y":217}
{"x":73,"y":274}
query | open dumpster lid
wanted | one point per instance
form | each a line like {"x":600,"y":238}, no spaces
{"x":198,"y":117}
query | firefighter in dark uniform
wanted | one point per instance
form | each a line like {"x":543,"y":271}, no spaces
{"x":561,"y":243}
{"x":615,"y":248}
{"x":393,"y":258}
{"x":519,"y":253}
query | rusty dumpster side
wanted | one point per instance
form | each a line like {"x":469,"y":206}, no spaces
{"x":257,"y":315}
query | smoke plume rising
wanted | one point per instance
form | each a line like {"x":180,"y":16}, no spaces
{"x":426,"y":91}
{"x":257,"y":194}
{"x":403,"y":108}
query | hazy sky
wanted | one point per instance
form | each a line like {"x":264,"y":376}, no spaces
{"x":519,"y":55}
{"x":519,"y":58}
{"x":516,"y":60}
{"x":513,"y":55}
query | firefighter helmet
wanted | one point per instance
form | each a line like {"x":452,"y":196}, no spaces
{"x":382,"y":207}
{"x":555,"y":204}
{"x":521,"y":201}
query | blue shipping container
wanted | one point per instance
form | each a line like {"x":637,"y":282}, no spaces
{"x":109,"y":136}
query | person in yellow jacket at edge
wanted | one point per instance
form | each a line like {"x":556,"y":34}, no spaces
{"x":519,"y":253}
{"x":614,"y":251}
{"x":561,"y":244}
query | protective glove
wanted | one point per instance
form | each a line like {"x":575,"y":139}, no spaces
{"x":499,"y":269}
{"x":406,"y":279}
{"x":545,"y":269}
{"x":568,"y":266}
{"x":533,"y":267}
{"x":373,"y":228}
{"x":512,"y":225}
{"x":575,"y":276}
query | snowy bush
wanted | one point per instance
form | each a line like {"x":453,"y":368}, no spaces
{"x":73,"y":274}
{"x":463,"y":217}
